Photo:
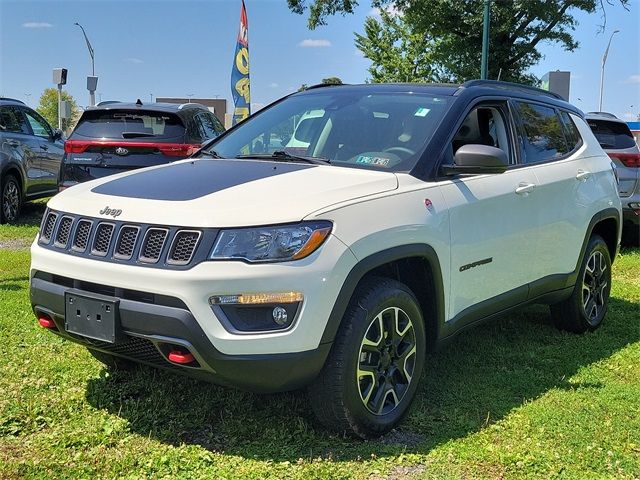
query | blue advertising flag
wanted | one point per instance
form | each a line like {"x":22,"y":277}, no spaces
{"x":240,"y":85}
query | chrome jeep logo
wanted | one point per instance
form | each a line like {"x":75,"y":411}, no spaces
{"x":121,"y":151}
{"x":110,"y":211}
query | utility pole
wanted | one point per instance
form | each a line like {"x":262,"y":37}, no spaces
{"x":92,"y":81}
{"x":604,"y":61}
{"x":484,"y":69}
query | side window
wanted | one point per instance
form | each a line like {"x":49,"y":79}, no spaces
{"x":12,"y":120}
{"x":38,"y":124}
{"x":543,"y":133}
{"x":484,"y":125}
{"x":574,"y":140}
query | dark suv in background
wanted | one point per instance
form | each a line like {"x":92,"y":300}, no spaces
{"x":30,"y":156}
{"x":115,"y":137}
{"x":616,"y":139}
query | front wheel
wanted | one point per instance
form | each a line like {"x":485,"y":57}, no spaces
{"x":371,"y":375}
{"x":585,"y":309}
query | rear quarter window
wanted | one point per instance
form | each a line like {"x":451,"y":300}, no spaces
{"x":543,"y":133}
{"x":612,"y":135}
{"x":133,"y":125}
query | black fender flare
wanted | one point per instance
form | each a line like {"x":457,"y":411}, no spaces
{"x":367,"y":264}
{"x":12,"y":165}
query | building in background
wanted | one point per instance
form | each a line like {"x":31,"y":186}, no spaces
{"x":635,"y":131}
{"x":218,"y":106}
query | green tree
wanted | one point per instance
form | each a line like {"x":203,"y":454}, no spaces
{"x":450,"y":31}
{"x":48,"y":108}
{"x":332,"y":81}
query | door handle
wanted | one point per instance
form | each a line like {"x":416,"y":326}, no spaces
{"x":44,"y":147}
{"x":525,"y":188}
{"x":13,"y":143}
{"x":583,"y":175}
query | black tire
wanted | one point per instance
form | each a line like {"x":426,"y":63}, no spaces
{"x":10,"y":199}
{"x":343,"y":400}
{"x":585,"y":309}
{"x":112,"y":362}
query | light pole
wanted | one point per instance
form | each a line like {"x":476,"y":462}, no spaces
{"x":92,"y":82}
{"x":604,"y":61}
{"x":189,"y":95}
{"x":484,"y":67}
{"x":151,"y":96}
{"x":28,"y":95}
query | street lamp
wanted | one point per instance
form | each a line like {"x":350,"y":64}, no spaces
{"x":92,"y":81}
{"x":604,"y":61}
{"x":28,"y":95}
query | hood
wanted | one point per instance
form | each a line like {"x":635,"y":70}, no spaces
{"x":222,"y":192}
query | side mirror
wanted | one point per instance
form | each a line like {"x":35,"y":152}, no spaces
{"x":57,"y":134}
{"x":477,"y":159}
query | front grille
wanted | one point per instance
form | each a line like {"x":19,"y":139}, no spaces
{"x":126,"y":242}
{"x":183,"y":246}
{"x":152,"y":245}
{"x":47,"y":227}
{"x":64,"y":229}
{"x":102,"y":240}
{"x":81,"y":238}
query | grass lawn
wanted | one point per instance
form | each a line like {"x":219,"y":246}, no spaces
{"x":511,"y":399}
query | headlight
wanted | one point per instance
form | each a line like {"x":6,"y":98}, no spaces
{"x":271,"y":244}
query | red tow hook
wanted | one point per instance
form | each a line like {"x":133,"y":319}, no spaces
{"x":46,"y":322}
{"x":182,"y":358}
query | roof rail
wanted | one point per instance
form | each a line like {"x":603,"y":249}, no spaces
{"x":191,"y":105}
{"x":12,"y":100}
{"x":107,"y":102}
{"x":512,"y":86}
{"x":603,"y":114}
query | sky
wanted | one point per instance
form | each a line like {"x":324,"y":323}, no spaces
{"x":178,"y":48}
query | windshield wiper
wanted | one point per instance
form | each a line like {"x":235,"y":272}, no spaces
{"x":137,"y":134}
{"x":282,"y":156}
{"x":210,"y":153}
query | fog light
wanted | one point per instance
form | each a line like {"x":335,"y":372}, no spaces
{"x":280,"y":315}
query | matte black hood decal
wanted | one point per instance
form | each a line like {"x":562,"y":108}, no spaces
{"x":191,"y":180}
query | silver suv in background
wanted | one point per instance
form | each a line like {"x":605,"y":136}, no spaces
{"x":616,"y":139}
{"x":30,"y":156}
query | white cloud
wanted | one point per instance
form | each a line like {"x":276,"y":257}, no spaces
{"x":314,"y":43}
{"x":37,"y":25}
{"x":633,"y":79}
{"x":133,"y":60}
{"x":274,"y":85}
{"x":390,"y":9}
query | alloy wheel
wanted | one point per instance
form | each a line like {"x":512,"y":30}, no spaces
{"x":386,"y":361}
{"x":10,"y":201}
{"x":594,"y":286}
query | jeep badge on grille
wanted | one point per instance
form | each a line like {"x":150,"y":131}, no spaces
{"x":110,"y":211}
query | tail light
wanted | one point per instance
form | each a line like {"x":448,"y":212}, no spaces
{"x":167,"y":149}
{"x":631,"y":160}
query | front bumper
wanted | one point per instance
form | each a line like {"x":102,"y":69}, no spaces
{"x":150,"y":330}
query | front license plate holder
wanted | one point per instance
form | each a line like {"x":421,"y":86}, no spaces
{"x":92,"y":316}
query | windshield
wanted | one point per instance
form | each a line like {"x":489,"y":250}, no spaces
{"x":383,"y":131}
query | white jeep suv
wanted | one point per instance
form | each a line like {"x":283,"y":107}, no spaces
{"x":414,"y":212}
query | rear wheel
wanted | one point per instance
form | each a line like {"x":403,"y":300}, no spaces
{"x":10,"y":199}
{"x":371,"y":375}
{"x":585,"y":309}
{"x":112,"y":362}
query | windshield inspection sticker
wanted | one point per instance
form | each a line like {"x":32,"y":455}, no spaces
{"x":370,"y":160}
{"x":421,"y":112}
